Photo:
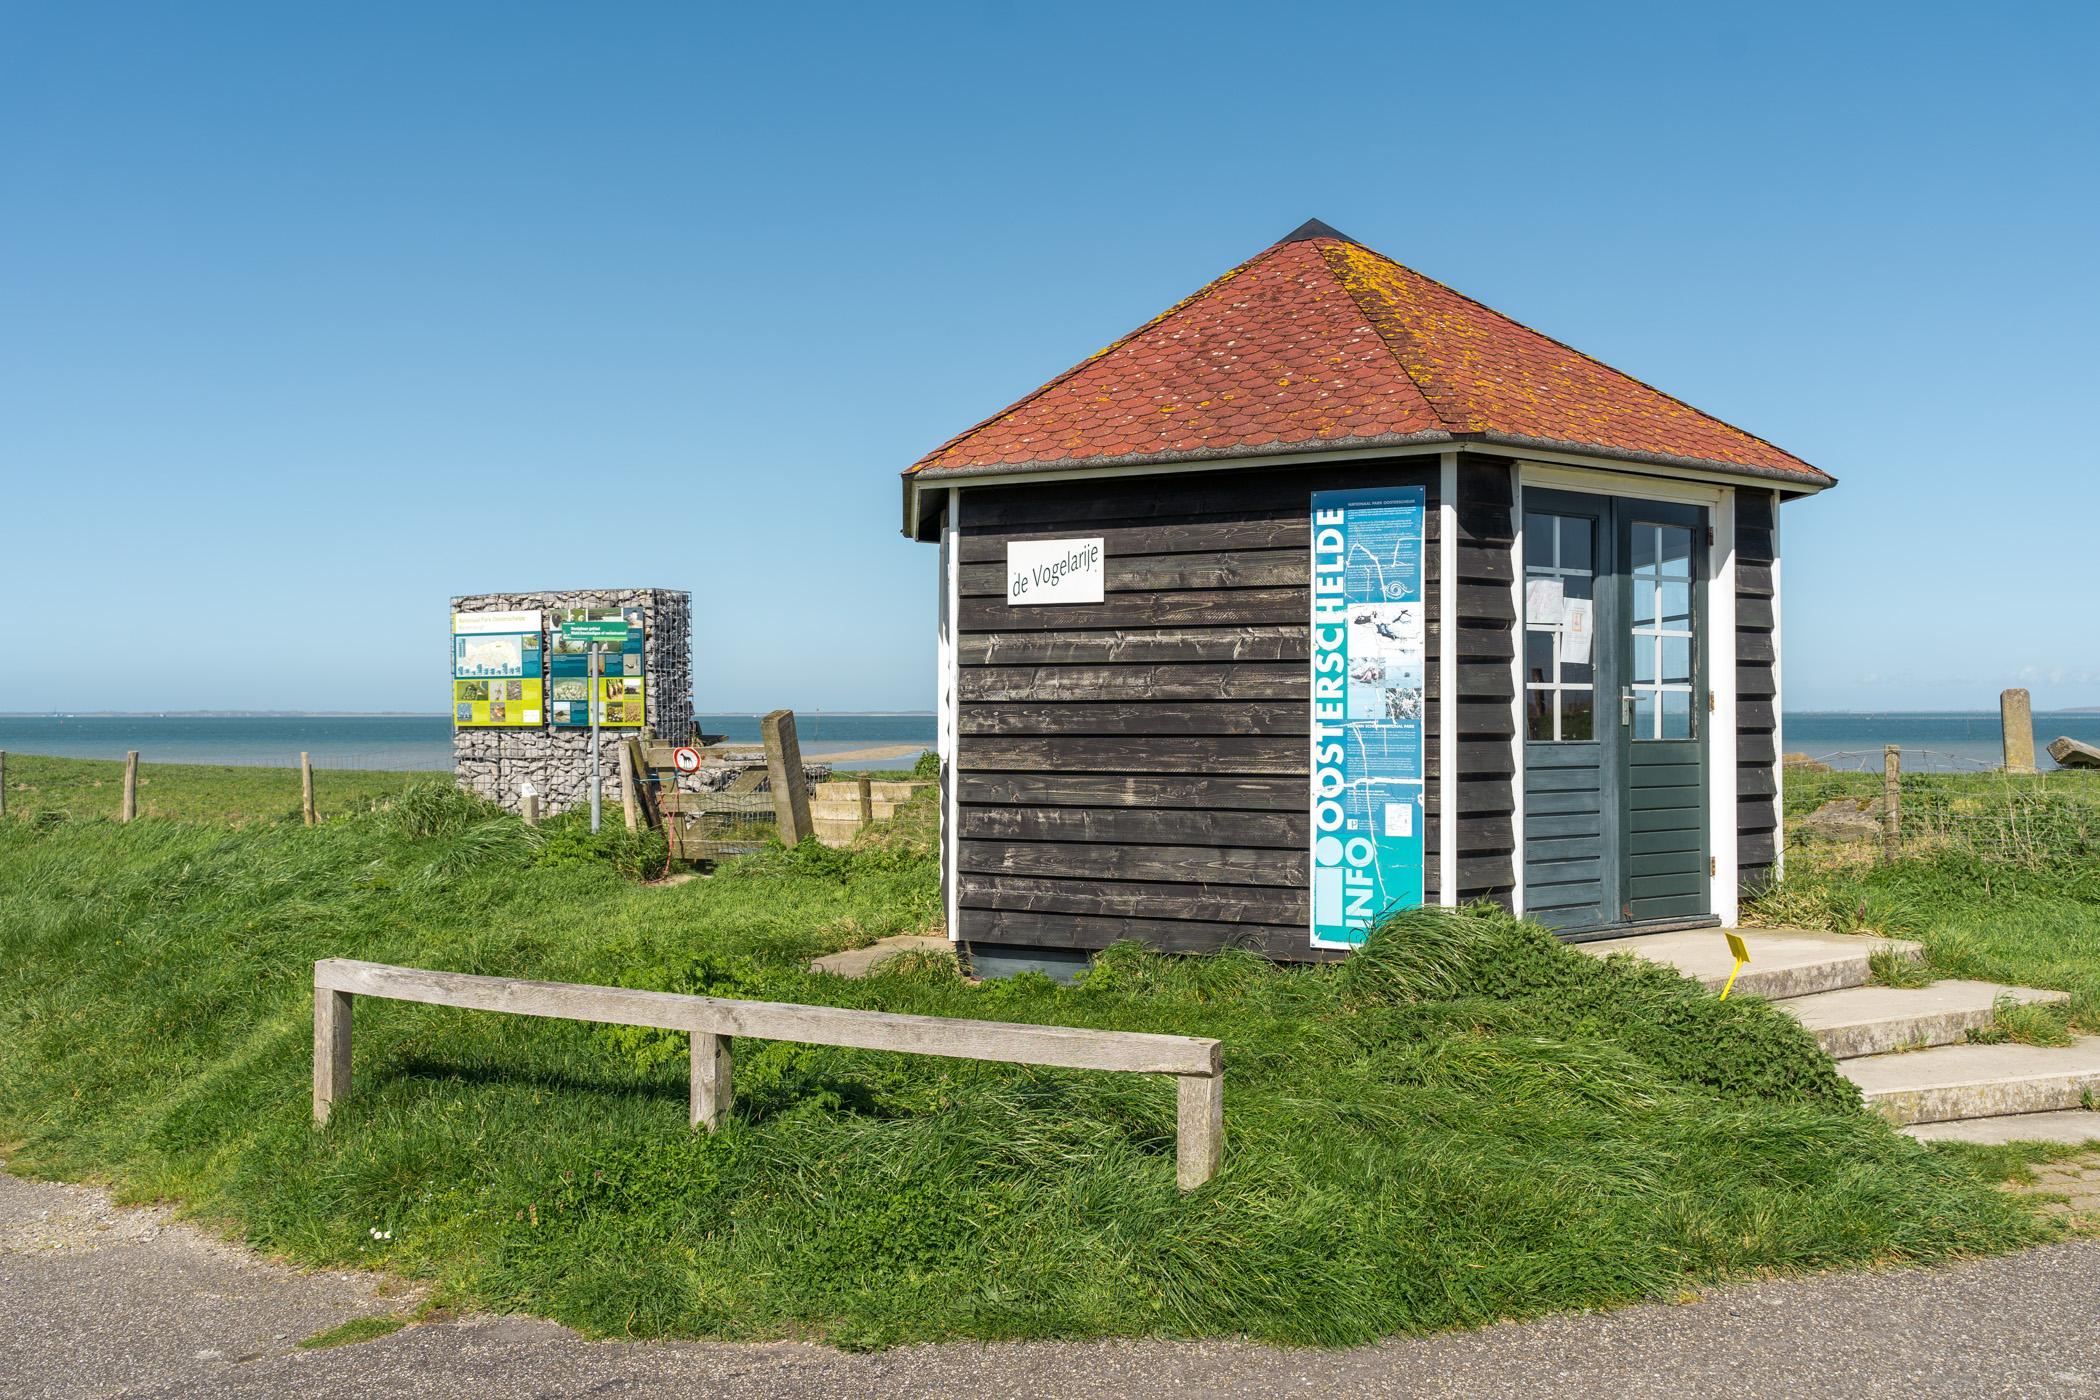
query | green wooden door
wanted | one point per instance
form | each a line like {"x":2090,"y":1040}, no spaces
{"x":1662,"y":710}
{"x":1615,"y":795}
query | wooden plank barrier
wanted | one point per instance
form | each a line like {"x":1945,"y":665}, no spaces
{"x":713,"y":1022}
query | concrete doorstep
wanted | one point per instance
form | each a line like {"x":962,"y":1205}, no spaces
{"x":1906,"y":1048}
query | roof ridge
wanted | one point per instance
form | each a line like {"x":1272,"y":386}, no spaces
{"x":1372,"y":321}
{"x":1562,"y":344}
{"x":1114,"y":345}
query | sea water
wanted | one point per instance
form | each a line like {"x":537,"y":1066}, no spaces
{"x":1929,"y":740}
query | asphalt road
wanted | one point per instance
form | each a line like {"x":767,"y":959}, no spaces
{"x":101,"y":1301}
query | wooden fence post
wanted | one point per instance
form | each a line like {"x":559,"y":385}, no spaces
{"x":1199,"y":1128}
{"x":3,"y":782}
{"x":784,"y":771}
{"x":867,"y":800}
{"x":711,"y":1079}
{"x":331,"y":1047}
{"x":1891,"y":801}
{"x":2016,"y":720}
{"x":628,"y":804}
{"x":306,"y":788}
{"x":130,"y":808}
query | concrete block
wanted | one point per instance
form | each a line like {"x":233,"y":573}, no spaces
{"x":1869,"y":1020}
{"x":1977,"y":1081}
{"x":1783,"y":962}
{"x":2073,"y":1126}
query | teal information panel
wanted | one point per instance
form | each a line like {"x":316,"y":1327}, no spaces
{"x":1367,"y":709}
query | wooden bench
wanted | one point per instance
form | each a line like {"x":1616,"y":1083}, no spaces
{"x":1197,"y":1064}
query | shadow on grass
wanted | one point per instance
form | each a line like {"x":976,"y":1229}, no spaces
{"x":752,"y":1105}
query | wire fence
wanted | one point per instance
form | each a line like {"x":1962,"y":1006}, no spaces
{"x":1855,"y":805}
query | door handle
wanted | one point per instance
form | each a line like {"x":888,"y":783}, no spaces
{"x":1626,"y":707}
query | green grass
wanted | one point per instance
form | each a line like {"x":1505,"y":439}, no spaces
{"x":1466,"y":1122}
{"x":357,"y":1329}
{"x":45,"y":788}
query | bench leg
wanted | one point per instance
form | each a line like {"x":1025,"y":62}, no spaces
{"x":1199,"y":1143}
{"x":331,"y":1049}
{"x":711,"y":1079}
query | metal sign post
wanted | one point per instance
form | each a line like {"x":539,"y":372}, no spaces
{"x":597,"y":632}
{"x":597,"y":668}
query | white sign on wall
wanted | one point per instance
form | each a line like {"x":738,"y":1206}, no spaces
{"x":1054,"y":571}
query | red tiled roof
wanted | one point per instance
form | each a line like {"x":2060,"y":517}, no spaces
{"x":1319,"y":342}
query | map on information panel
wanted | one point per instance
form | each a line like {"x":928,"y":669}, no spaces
{"x":1367,"y":689}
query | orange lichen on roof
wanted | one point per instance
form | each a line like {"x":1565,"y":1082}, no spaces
{"x":1319,"y":340}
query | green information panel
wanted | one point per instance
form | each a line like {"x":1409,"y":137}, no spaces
{"x":620,"y":687}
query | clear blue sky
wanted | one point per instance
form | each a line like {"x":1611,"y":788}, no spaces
{"x":314,"y":315}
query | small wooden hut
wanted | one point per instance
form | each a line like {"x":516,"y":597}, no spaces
{"x":1330,"y":591}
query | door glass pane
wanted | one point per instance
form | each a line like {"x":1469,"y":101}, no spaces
{"x":1643,"y":541}
{"x":1676,"y":714}
{"x":1560,"y":553}
{"x":1538,"y":539}
{"x":1643,"y":602}
{"x":1676,"y":661}
{"x":1676,"y":603}
{"x":1662,"y":649}
{"x":1538,"y":656}
{"x":1674,"y":543}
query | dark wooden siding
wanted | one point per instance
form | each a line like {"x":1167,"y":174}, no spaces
{"x":1756,"y":689}
{"x":1487,"y":725}
{"x":1139,"y":768}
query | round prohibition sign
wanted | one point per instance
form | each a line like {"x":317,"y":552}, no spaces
{"x":686,"y":760}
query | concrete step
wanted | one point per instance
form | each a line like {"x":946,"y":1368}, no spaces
{"x":1784,"y":962}
{"x":1977,"y":1081}
{"x":831,"y":832}
{"x":1870,"y":1020}
{"x":2074,"y":1126}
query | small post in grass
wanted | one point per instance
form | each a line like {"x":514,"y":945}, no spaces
{"x":628,"y":804}
{"x":306,"y":788}
{"x":3,"y":782}
{"x":130,"y":808}
{"x":711,"y":1091}
{"x":1891,"y":801}
{"x":867,"y":800}
{"x":2016,"y":720}
{"x":1199,"y":1128}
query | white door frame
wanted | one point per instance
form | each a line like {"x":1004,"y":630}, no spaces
{"x":1720,"y":631}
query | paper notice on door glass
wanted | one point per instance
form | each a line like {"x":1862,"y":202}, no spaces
{"x":1575,"y":632}
{"x":1543,"y":602}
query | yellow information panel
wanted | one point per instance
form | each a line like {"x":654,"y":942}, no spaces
{"x":619,"y":697}
{"x":506,"y":703}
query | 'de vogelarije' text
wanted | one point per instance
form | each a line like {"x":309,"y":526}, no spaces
{"x":1077,"y":561}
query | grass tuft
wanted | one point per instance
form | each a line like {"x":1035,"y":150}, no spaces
{"x":1893,"y":967}
{"x":357,"y":1329}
